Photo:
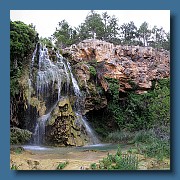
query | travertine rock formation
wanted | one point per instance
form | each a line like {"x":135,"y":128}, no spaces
{"x":129,"y":64}
{"x":61,"y":129}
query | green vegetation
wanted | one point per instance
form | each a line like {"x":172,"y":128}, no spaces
{"x":150,"y":144}
{"x":19,"y":150}
{"x":141,"y":111}
{"x":143,"y":120}
{"x":119,"y":161}
{"x":92,"y":71}
{"x":14,"y":167}
{"x":19,"y":136}
{"x":120,"y":136}
{"x":106,"y":27}
{"x":46,"y":42}
{"x":62,"y":165}
{"x":22,"y":43}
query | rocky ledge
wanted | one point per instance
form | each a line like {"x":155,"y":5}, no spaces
{"x":131,"y":65}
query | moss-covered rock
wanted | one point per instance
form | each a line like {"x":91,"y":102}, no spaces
{"x":61,"y":129}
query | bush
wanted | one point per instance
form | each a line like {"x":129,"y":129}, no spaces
{"x":20,"y":136}
{"x":92,"y":70}
{"x":120,"y":136}
{"x":149,"y":144}
{"x":14,"y":167}
{"x":22,"y":43}
{"x":138,"y":112}
{"x":62,"y":165}
{"x":119,"y":161}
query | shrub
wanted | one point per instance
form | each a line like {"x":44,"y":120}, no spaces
{"x":92,"y":70}
{"x":62,"y":165}
{"x":20,"y":136}
{"x":151,"y":145}
{"x":14,"y":167}
{"x":22,"y":42}
{"x":119,"y":161}
{"x":137,"y":112}
{"x":120,"y":136}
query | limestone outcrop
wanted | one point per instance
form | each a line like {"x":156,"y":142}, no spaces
{"x":131,"y":65}
{"x":62,"y":128}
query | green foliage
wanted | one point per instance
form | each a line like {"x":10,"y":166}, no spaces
{"x":144,"y":33}
{"x":129,"y":32}
{"x":19,"y":150}
{"x":120,"y":136}
{"x":159,"y":108}
{"x":62,"y":165}
{"x":22,"y":42}
{"x":92,"y":71}
{"x":141,"y":111}
{"x":106,"y":27}
{"x":160,"y":39}
{"x":93,"y":166}
{"x":113,"y":88}
{"x":149,"y":144}
{"x":14,"y":167}
{"x":20,"y":136}
{"x":119,"y":161}
{"x":64,"y":35}
{"x":46,"y":42}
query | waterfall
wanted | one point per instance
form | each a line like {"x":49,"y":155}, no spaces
{"x":39,"y":133}
{"x":82,"y":119}
{"x":51,"y":77}
{"x":74,"y":82}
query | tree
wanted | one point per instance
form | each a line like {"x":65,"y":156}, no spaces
{"x":46,"y":41}
{"x":160,"y":39}
{"x":129,"y":32}
{"x":166,"y":41}
{"x":64,"y":35}
{"x":22,"y":43}
{"x":105,"y":19}
{"x":113,"y":30}
{"x":144,"y":33}
{"x":93,"y":25}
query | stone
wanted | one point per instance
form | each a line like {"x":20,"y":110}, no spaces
{"x":61,"y":129}
{"x":140,"y":64}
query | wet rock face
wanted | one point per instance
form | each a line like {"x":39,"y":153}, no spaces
{"x":140,"y":65}
{"x":61,"y":129}
{"x":90,"y":86}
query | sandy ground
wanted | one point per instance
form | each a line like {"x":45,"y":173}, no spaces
{"x":28,"y":160}
{"x":77,"y":160}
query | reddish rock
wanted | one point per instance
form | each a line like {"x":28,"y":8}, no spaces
{"x":140,"y":65}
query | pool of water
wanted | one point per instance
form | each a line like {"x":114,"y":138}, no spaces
{"x":59,"y":150}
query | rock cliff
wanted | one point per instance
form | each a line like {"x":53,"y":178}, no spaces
{"x":140,"y":65}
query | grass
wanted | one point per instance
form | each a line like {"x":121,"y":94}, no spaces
{"x":120,"y":136}
{"x":14,"y":167}
{"x":119,"y":161}
{"x":62,"y":165}
{"x":148,"y":143}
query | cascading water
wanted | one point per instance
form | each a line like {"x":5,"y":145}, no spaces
{"x":82,"y":119}
{"x":50,"y":79}
{"x":39,"y":134}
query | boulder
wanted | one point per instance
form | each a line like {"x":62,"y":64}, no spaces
{"x":61,"y":128}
